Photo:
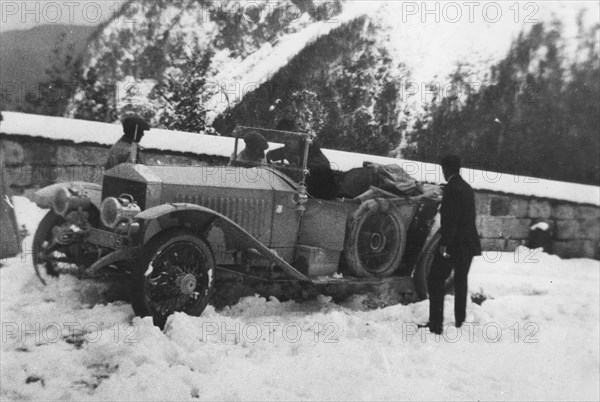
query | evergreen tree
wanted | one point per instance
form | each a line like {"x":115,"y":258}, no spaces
{"x":345,"y":87}
{"x":95,"y":101}
{"x":182,"y":92}
{"x":54,"y":92}
{"x":539,"y":117}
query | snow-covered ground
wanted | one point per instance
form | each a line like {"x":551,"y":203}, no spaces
{"x":536,"y":337}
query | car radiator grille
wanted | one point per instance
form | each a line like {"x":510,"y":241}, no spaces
{"x":249,"y":213}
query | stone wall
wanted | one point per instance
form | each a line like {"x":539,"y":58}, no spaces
{"x":503,"y":220}
{"x":33,"y":162}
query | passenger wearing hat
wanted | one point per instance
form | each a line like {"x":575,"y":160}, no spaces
{"x":256,"y":145}
{"x":458,"y":245}
{"x":320,"y":181}
{"x":127,"y":149}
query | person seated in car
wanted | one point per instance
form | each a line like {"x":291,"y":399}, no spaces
{"x":320,"y":181}
{"x":127,"y":149}
{"x":256,"y":145}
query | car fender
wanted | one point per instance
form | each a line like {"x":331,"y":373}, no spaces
{"x":435,"y":228}
{"x":202,"y":220}
{"x":43,"y":197}
{"x":437,"y":225}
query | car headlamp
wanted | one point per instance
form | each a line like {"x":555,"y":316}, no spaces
{"x":69,"y":199}
{"x":115,"y":210}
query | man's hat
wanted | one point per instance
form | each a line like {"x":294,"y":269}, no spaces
{"x":451,"y":162}
{"x":132,"y":120}
{"x":256,"y":141}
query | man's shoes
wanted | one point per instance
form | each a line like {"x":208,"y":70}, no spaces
{"x":433,"y":328}
{"x":458,"y":324}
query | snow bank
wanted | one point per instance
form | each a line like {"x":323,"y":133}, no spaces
{"x":80,"y":131}
{"x":534,"y":337}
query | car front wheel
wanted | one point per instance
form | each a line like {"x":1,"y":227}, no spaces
{"x":173,"y":273}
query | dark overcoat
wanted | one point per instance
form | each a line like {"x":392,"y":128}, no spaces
{"x":459,"y":230}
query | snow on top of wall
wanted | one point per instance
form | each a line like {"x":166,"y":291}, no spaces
{"x":81,"y":131}
{"x":479,"y":179}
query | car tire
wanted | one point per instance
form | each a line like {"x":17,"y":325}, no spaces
{"x":192,"y":286}
{"x":424,"y":265}
{"x":43,"y":235}
{"x":375,"y":240}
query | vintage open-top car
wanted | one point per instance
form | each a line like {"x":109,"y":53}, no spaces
{"x":172,"y":228}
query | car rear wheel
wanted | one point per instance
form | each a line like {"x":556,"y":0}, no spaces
{"x":424,"y":267}
{"x":376,"y":240}
{"x":174,"y":273}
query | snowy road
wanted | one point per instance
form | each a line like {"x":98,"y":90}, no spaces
{"x":535,"y":337}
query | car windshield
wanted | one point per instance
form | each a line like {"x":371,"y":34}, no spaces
{"x":260,"y":145}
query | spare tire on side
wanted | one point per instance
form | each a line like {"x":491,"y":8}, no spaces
{"x":375,"y":239}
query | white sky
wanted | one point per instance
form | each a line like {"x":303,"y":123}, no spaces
{"x":479,"y":33}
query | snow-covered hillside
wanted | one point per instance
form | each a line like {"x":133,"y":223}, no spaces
{"x":249,"y":41}
{"x":252,"y":40}
{"x":535,"y":337}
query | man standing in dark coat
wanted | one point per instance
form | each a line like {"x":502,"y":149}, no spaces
{"x":127,"y":149}
{"x":459,"y":244}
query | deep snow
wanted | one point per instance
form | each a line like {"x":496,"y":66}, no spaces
{"x":541,"y":342}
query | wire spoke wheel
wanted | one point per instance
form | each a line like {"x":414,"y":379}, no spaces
{"x":177,"y":271}
{"x":50,"y":260}
{"x":174,"y":274}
